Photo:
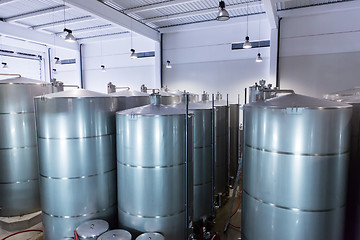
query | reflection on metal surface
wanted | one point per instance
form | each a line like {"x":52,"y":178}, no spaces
{"x":19,"y":190}
{"x":77,"y":159}
{"x":295,"y":168}
{"x":137,"y":166}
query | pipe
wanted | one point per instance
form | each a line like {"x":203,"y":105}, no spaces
{"x":81,"y":67}
{"x":278,"y":57}
{"x":49,"y":57}
{"x":228,"y":139}
{"x":10,"y":74}
{"x":161,"y":60}
{"x":245,"y":96}
{"x":213,"y":158}
{"x":74,"y":86}
{"x":187,"y":164}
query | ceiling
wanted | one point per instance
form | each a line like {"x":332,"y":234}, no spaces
{"x":47,"y":16}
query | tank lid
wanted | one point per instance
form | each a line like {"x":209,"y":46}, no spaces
{"x":129,"y":93}
{"x":75,"y":93}
{"x":152,"y":236}
{"x":297,"y":101}
{"x":347,"y":96}
{"x":194,"y":105}
{"x":23,"y":80}
{"x":92,"y":228}
{"x":117,"y":234}
{"x":153,"y":110}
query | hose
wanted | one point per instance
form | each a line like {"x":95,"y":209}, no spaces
{"x":76,"y":235}
{"x":23,"y":231}
{"x":236,"y":210}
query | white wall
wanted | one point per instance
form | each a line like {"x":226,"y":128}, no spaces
{"x":320,"y":53}
{"x":202,"y":58}
{"x":69,"y":74}
{"x":120,"y":69}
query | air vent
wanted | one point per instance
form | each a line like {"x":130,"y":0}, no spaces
{"x":145,"y":54}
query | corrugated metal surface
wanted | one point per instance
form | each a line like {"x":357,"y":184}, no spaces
{"x":304,"y":3}
{"x":24,"y":6}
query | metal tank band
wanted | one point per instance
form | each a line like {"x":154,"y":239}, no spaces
{"x":151,"y":156}
{"x":295,"y":168}
{"x":18,"y":149}
{"x":76,"y":129}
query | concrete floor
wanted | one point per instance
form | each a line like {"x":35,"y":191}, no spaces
{"x":220,"y":220}
{"x":24,"y":236}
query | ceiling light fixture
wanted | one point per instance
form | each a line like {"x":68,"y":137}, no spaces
{"x":54,"y":71}
{"x":5,"y":65}
{"x":168,"y":65}
{"x":247,"y":43}
{"x":103,"y":69}
{"x":57,"y":60}
{"x":222,"y":15}
{"x":133,"y":54}
{"x":259,"y":58}
{"x":69,"y":37}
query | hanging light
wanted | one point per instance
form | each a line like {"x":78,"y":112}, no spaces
{"x":103,"y":69}
{"x":168,"y":65}
{"x":247,"y":43}
{"x":54,"y":71}
{"x":133,"y":54}
{"x":259,"y":58}
{"x":69,"y":37}
{"x":222,"y":15}
{"x":57,"y":60}
{"x":5,"y":65}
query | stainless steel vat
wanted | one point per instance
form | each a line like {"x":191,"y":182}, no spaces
{"x":234,"y":141}
{"x":150,"y":236}
{"x":202,"y":157}
{"x":130,"y":99}
{"x":19,"y":183}
{"x":168,"y":98}
{"x":221,"y":149}
{"x":151,"y":160}
{"x":117,"y":234}
{"x":352,"y":223}
{"x":295,"y":168}
{"x":92,"y":229}
{"x":76,"y":137}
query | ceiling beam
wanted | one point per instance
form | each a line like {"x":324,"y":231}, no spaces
{"x":105,"y":12}
{"x":2,"y":2}
{"x":199,"y":12}
{"x":62,"y":22}
{"x":88,"y":29}
{"x":271,"y":13}
{"x":155,"y":6}
{"x":12,"y":30}
{"x":36,"y":13}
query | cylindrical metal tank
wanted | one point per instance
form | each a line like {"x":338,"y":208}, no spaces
{"x":130,"y":99}
{"x":295,"y":168}
{"x":19,"y":182}
{"x":76,"y":138}
{"x":151,"y":160}
{"x":221,"y":149}
{"x":92,"y":229}
{"x":167,"y":98}
{"x":234,"y":141}
{"x":202,"y":157}
{"x":117,"y":234}
{"x":150,"y":236}
{"x":352,"y":223}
